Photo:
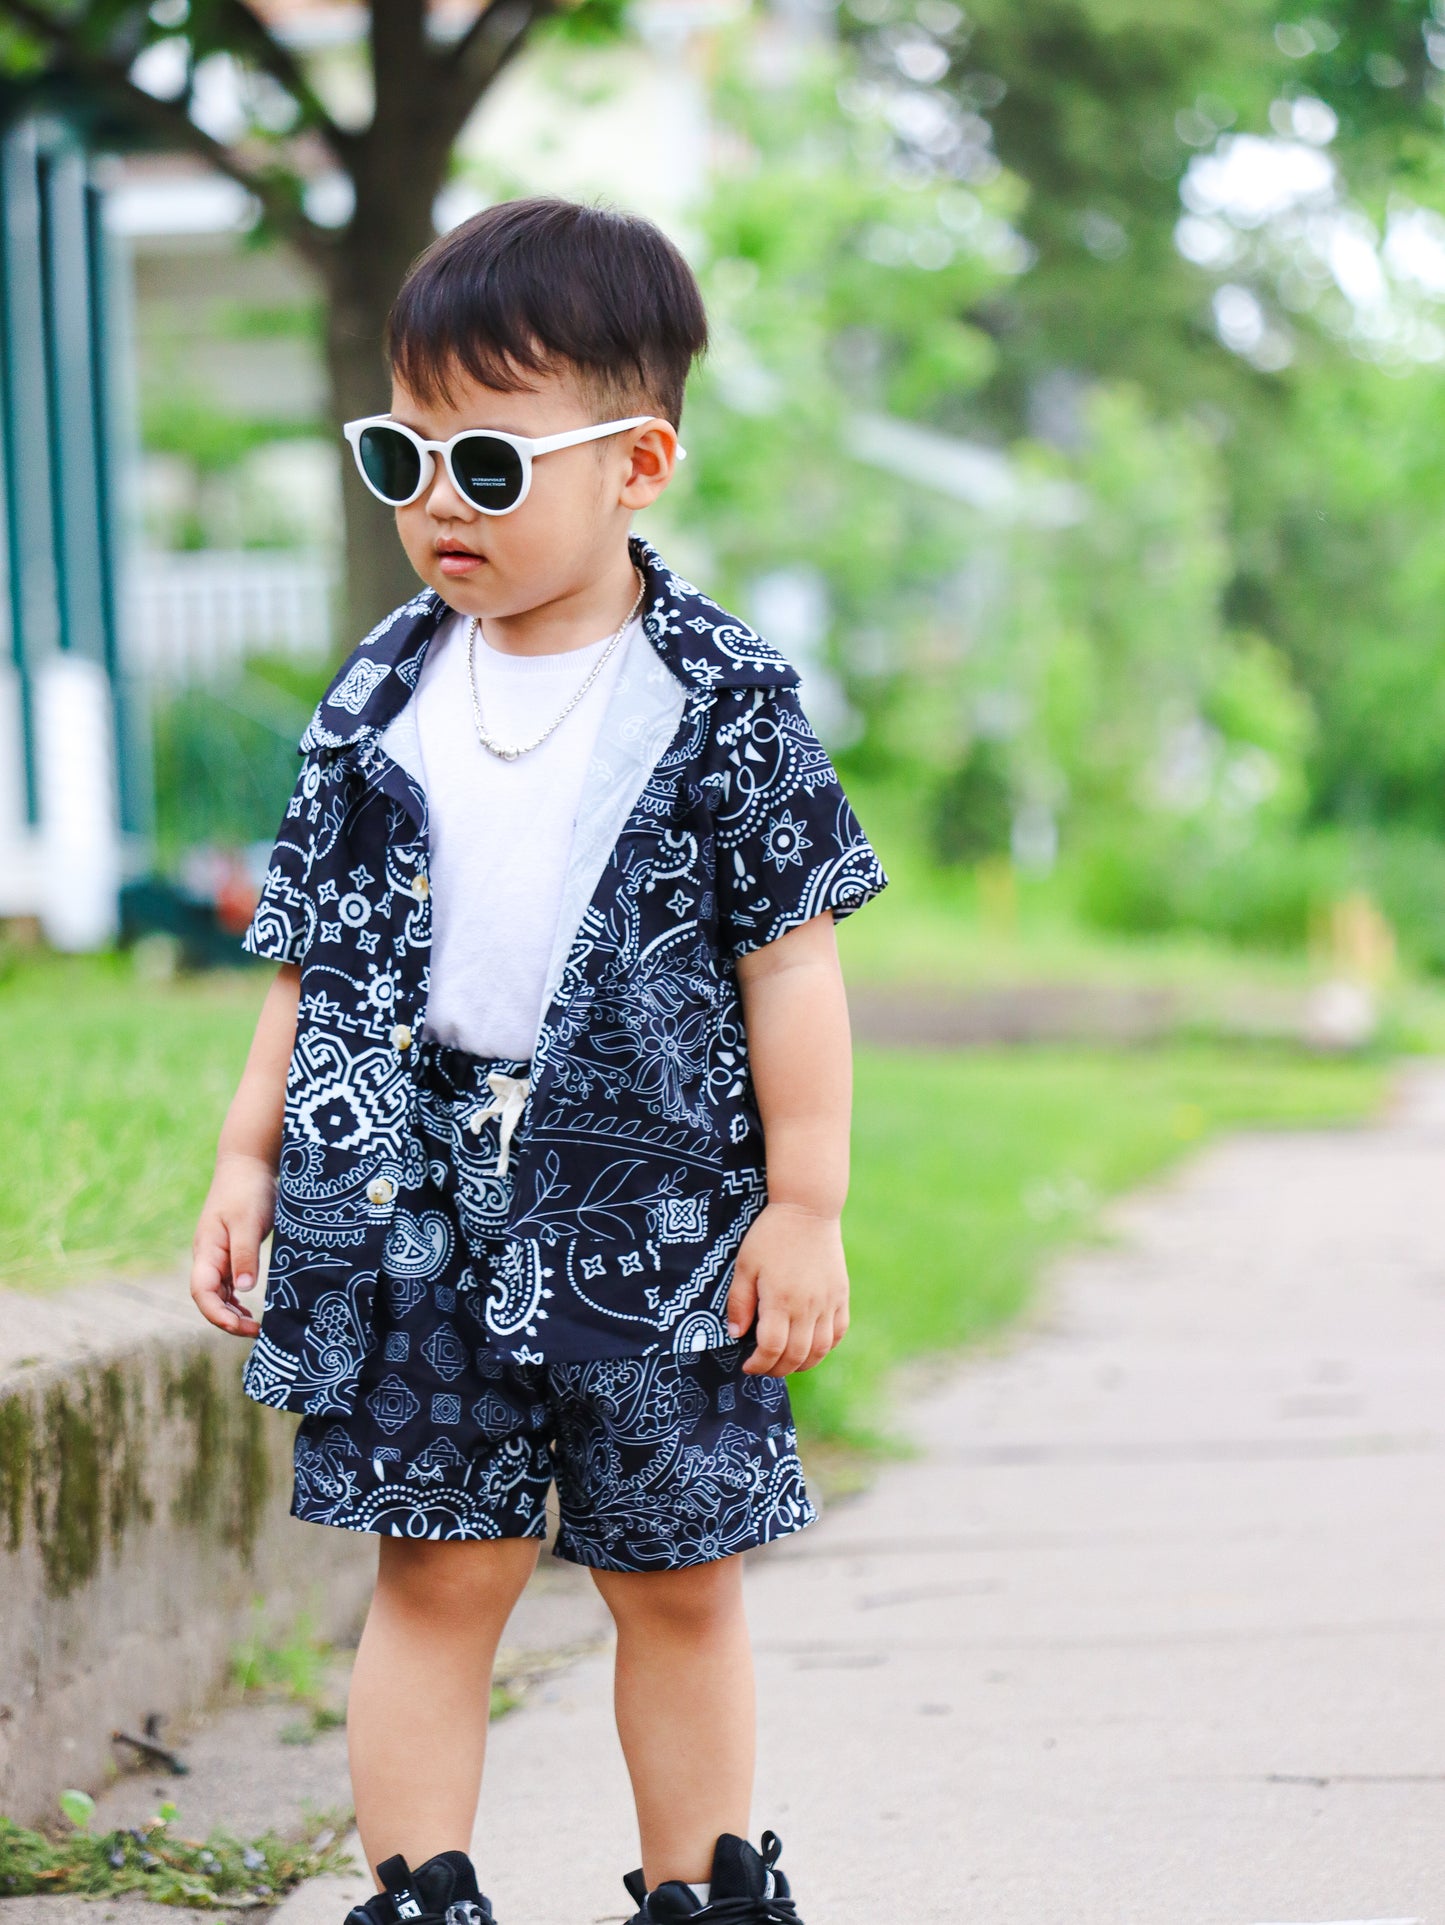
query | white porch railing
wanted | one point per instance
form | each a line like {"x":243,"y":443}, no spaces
{"x":195,"y":617}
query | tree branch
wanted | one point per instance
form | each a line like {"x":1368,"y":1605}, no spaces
{"x":171,"y":123}
{"x":473,"y":62}
{"x":249,"y":34}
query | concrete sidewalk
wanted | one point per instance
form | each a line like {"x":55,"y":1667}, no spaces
{"x":1153,"y":1629}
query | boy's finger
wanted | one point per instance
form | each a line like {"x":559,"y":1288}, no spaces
{"x":208,"y":1270}
{"x":234,"y":1319}
{"x":245,"y":1258}
{"x":772,"y":1337}
{"x":214,"y":1305}
{"x":742,"y":1302}
{"x":211,"y":1292}
{"x":823,"y":1341}
{"x":798,"y":1347}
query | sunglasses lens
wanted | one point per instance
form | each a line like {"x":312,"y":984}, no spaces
{"x":488,"y":471}
{"x":390,"y":463}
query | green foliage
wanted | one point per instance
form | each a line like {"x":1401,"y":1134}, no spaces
{"x":78,"y":1807}
{"x":295,"y":1669}
{"x":832,"y":287}
{"x":179,"y":423}
{"x":225,"y":754}
{"x":1099,"y":106}
{"x":1341,"y":560}
{"x":1117,"y":626}
{"x":1405,"y":870}
{"x":974,"y":807}
{"x":1141,"y":876}
{"x":1104,"y":688}
{"x":1091,"y":100}
{"x":223,"y":1872}
{"x":1319,"y":488}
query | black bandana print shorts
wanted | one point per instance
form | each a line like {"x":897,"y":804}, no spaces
{"x":660,"y":1461}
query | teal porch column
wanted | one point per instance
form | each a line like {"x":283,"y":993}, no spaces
{"x":83,"y":788}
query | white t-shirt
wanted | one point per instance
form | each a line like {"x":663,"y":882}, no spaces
{"x":500,"y":832}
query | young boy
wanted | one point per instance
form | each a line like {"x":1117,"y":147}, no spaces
{"x":548,"y":1101}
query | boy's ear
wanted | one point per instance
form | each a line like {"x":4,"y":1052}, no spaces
{"x":653,"y":458}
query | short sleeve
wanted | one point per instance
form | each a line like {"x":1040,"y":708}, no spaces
{"x":284,"y":919}
{"x":788,"y":844}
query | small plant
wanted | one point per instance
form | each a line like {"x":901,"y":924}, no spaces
{"x":294,"y":1670}
{"x":228,"y":1873}
{"x":79,"y":1808}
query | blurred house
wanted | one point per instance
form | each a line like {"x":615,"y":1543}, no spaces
{"x":170,"y":475}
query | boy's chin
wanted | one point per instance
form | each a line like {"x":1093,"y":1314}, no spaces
{"x":465,"y":593}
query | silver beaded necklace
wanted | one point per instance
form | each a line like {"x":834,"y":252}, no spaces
{"x":509,"y":752}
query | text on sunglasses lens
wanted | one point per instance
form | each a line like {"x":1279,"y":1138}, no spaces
{"x":487,"y":471}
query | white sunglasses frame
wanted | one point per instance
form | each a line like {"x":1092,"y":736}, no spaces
{"x":525,"y":448}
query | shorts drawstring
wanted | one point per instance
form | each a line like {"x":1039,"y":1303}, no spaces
{"x":509,"y":1096}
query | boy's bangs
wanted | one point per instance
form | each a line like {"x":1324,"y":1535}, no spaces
{"x":432,"y":365}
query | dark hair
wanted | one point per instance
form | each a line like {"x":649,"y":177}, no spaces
{"x":532,"y":286}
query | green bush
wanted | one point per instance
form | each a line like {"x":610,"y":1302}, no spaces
{"x":225,"y":754}
{"x":1405,"y":872}
{"x":1145,"y":876}
{"x":973,"y":808}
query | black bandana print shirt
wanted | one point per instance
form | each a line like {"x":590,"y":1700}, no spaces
{"x":711,"y":823}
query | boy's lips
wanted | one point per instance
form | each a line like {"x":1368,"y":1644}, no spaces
{"x":453,"y":559}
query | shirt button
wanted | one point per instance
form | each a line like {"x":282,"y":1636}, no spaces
{"x":420,"y":887}
{"x":380,"y":1190}
{"x":401,"y":1037}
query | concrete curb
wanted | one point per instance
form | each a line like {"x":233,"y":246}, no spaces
{"x":144,"y":1514}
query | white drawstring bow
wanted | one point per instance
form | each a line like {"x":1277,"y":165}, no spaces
{"x":509,"y":1097}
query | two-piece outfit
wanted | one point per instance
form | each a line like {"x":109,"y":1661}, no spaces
{"x":520,"y":1145}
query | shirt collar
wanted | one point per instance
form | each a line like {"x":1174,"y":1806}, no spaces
{"x":701,"y":644}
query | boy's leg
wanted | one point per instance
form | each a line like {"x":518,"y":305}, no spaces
{"x":421,"y":1690}
{"x":685,"y":1709}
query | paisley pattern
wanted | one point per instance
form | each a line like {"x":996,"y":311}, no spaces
{"x":660,"y":1461}
{"x":714,"y":822}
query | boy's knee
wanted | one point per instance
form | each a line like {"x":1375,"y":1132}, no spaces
{"x":690,"y":1602}
{"x":440,"y":1580}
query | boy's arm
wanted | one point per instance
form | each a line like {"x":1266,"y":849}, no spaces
{"x":790,"y":1269}
{"x":239,"y":1208}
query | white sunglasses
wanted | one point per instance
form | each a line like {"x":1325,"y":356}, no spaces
{"x":490,"y":470}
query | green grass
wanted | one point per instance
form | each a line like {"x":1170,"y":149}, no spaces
{"x":112,"y":1091}
{"x":968,"y":1170}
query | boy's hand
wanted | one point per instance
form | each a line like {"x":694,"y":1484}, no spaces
{"x":226,"y":1249}
{"x":791,"y":1275}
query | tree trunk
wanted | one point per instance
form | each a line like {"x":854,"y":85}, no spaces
{"x":392,"y":224}
{"x":376,"y":574}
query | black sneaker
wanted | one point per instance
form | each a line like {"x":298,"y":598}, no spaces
{"x":443,"y":1891}
{"x":745,"y":1889}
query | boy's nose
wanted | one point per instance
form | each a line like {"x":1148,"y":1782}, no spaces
{"x":443,"y":503}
